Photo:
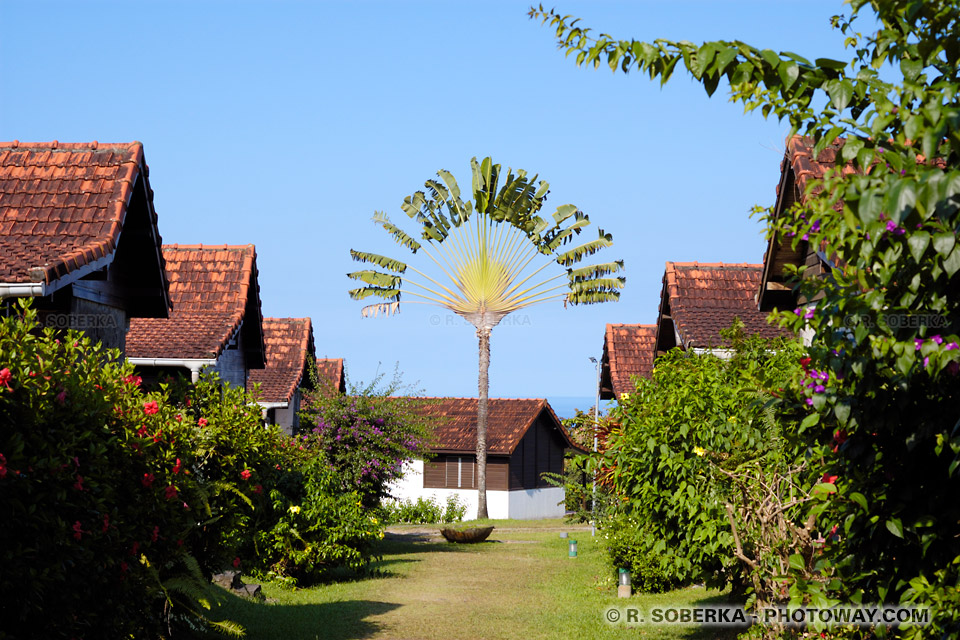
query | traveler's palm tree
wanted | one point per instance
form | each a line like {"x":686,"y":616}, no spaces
{"x":487,"y":258}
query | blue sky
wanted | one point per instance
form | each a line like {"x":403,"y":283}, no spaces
{"x":287,"y":124}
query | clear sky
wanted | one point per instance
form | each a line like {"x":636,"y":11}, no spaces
{"x":287,"y":124}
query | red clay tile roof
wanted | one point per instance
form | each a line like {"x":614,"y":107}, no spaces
{"x":703,"y":298}
{"x":213,"y":290}
{"x":628,"y":350}
{"x":289,"y":344}
{"x":63,"y":206}
{"x":507,"y":422}
{"x":331,"y":370}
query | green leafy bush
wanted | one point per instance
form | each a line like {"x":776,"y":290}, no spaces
{"x":98,"y":501}
{"x":424,"y":510}
{"x":629,"y":547}
{"x":680,"y":443}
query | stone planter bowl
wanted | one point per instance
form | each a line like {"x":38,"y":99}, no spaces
{"x":470,"y":534}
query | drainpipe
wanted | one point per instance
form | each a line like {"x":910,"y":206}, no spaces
{"x":22,"y":289}
{"x":193,"y":364}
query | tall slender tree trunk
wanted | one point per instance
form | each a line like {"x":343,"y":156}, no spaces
{"x":484,"y":392}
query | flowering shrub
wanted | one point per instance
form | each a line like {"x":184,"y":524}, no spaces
{"x":123,"y":502}
{"x":365,"y":436}
{"x":95,"y":496}
{"x":674,"y":457}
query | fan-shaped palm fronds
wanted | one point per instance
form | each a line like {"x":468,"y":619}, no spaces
{"x":487,"y":258}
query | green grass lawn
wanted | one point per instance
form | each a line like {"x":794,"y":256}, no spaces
{"x":519,"y":584}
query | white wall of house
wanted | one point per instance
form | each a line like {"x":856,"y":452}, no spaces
{"x":522,"y":505}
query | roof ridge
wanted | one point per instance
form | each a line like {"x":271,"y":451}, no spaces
{"x":212,"y":247}
{"x":714,"y":265}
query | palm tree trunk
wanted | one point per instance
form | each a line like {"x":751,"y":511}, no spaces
{"x":484,"y":392}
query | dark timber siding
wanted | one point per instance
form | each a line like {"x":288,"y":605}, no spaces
{"x":444,"y":471}
{"x":540,"y":450}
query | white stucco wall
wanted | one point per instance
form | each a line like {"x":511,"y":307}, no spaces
{"x":523,"y":505}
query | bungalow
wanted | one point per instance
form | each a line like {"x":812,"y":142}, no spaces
{"x":798,"y":168}
{"x":524,"y":440}
{"x":215,"y":322}
{"x":698,"y":300}
{"x":78,"y":234}
{"x":289,"y":353}
{"x":628,"y":351}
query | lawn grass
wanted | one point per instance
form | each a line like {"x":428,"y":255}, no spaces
{"x":519,"y":584}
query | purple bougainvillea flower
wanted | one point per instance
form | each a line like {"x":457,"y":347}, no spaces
{"x":891,"y":226}
{"x":798,"y":311}
{"x":926,"y":361}
{"x":937,"y":339}
{"x":810,"y":401}
{"x":951,"y":346}
{"x":809,"y":314}
{"x":805,"y":236}
{"x":899,"y":231}
{"x":819,"y":388}
{"x":918,"y":342}
{"x":816,"y":226}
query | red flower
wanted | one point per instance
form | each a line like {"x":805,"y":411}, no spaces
{"x":124,"y":567}
{"x":147,"y":479}
{"x":155,"y":535}
{"x":78,"y":485}
{"x":142,"y":431}
{"x":134,"y":548}
{"x":134,"y":380}
{"x":245,"y":474}
{"x":3,"y":466}
{"x":106,"y":522}
{"x":77,"y":530}
{"x":258,"y":488}
{"x":179,"y":542}
{"x":151,"y":407}
{"x":829,"y":479}
{"x":805,"y":362}
{"x":839,"y":437}
{"x":278,"y":467}
{"x":236,"y":563}
{"x":202,"y":422}
{"x":179,"y":418}
{"x":62,"y":396}
{"x":5,"y":377}
{"x":176,"y":467}
{"x":170,"y":492}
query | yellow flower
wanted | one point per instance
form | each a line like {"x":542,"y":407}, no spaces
{"x":700,"y":451}
{"x":624,"y":396}
{"x":373,"y":520}
{"x":294,"y":509}
{"x":381,"y":535}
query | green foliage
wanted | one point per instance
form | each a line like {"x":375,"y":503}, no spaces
{"x":679,"y":440}
{"x":886,"y":319}
{"x":629,"y":547}
{"x":424,"y":511}
{"x":124,"y":502}
{"x":312,"y":529}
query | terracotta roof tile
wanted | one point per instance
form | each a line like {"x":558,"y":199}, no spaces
{"x":62,"y":205}
{"x":628,"y":350}
{"x":289,"y":344}
{"x":507,"y":422}
{"x":704,"y":298}
{"x":331,"y":370}
{"x":212,"y":289}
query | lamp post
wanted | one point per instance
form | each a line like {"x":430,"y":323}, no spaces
{"x":596,"y":423}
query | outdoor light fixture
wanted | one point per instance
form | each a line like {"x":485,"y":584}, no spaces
{"x":563,"y":534}
{"x":573,"y":548}
{"x":624,"y":590}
